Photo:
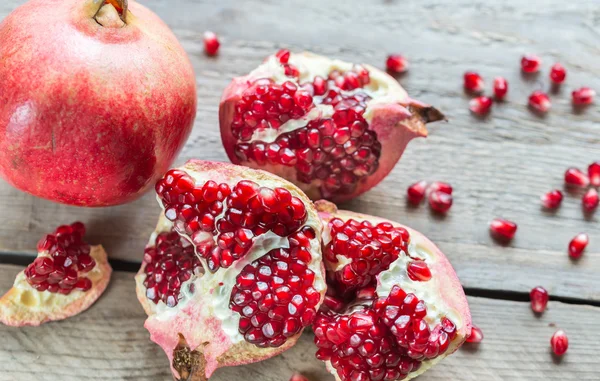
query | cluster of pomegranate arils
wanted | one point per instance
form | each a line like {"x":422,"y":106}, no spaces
{"x":439,"y":195}
{"x":538,"y":100}
{"x":66,"y":260}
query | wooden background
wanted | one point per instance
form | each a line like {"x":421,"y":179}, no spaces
{"x":499,"y":167}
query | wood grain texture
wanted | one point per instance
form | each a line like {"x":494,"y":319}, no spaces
{"x":108,"y":342}
{"x":499,"y":166}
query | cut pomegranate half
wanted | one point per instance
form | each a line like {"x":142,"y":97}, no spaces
{"x":404,"y":306}
{"x":233,"y":271}
{"x":333,"y":128}
{"x":66,"y":278}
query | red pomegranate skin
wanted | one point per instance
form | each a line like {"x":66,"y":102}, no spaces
{"x":90,"y":115}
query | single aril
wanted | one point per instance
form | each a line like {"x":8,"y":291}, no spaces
{"x":404,"y":306}
{"x":530,"y":63}
{"x":500,"y":88}
{"x":578,"y":245}
{"x":440,"y":201}
{"x":575,"y":177}
{"x":539,"y":101}
{"x":480,"y":105}
{"x":66,"y":278}
{"x":233,"y":272}
{"x":590,"y":200}
{"x":539,"y":299}
{"x":558,"y":73}
{"x":333,"y":128}
{"x":440,"y":186}
{"x":503,"y":229}
{"x":583,"y":96}
{"x":552,"y":199}
{"x":211,"y":43}
{"x":594,"y":174}
{"x":396,"y":64}
{"x":473,"y":82}
{"x":559,"y":343}
{"x":476,"y":335}
{"x":416,"y":192}
{"x":298,"y":377}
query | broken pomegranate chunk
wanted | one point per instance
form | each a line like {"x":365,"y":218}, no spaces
{"x":396,"y":64}
{"x":211,"y":43}
{"x":552,"y":199}
{"x":473,"y":82}
{"x":574,"y":176}
{"x":480,"y":105}
{"x":539,"y":299}
{"x":500,"y":88}
{"x":503,"y":229}
{"x":578,"y":245}
{"x":558,"y":73}
{"x":530,"y":63}
{"x":539,"y":101}
{"x":583,"y":96}
{"x":559,"y":342}
{"x":590,"y":200}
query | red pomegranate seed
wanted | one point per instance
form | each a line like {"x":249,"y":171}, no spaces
{"x":539,"y":101}
{"x":283,"y":56}
{"x":473,"y":82}
{"x":559,"y":342}
{"x":574,"y":176}
{"x":418,"y":271}
{"x":440,"y":201}
{"x":552,"y":199}
{"x":500,"y":88}
{"x":298,"y":377}
{"x":501,"y":228}
{"x":583,"y":96}
{"x":530,"y":63}
{"x":416,"y":192}
{"x":396,"y":63}
{"x":480,"y":105}
{"x":211,"y":43}
{"x":440,"y":186}
{"x":476,"y":335}
{"x":539,"y":299}
{"x":594,"y":174}
{"x":332,"y":303}
{"x":590,"y":200}
{"x":578,"y":245}
{"x":558,"y":73}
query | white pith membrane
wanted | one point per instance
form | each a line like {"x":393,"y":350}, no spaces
{"x":427,"y":291}
{"x":24,"y":305}
{"x":211,"y":324}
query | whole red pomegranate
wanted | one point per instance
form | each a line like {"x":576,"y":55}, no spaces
{"x":333,"y":128}
{"x":396,"y":307}
{"x":233,"y":272}
{"x":96,"y":100}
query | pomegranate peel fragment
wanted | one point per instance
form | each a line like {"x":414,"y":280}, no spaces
{"x":23,"y":305}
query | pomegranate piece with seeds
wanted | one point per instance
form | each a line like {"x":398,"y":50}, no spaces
{"x":539,"y":101}
{"x":578,"y":245}
{"x":333,"y":128}
{"x":500,"y":88}
{"x":416,"y":192}
{"x":503,"y":229}
{"x":211,"y":43}
{"x":590,"y":200}
{"x":552,"y":199}
{"x":480,"y":105}
{"x":233,"y":272}
{"x":66,"y":278}
{"x":473,"y":82}
{"x":530,"y":63}
{"x":559,"y":343}
{"x":539,"y":299}
{"x":558,"y":73}
{"x":583,"y":96}
{"x":594,"y":174}
{"x":404,"y":308}
{"x":476,"y":335}
{"x":575,"y":177}
{"x":396,"y":64}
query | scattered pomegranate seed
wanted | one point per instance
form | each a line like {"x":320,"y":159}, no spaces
{"x":594,"y":173}
{"x":500,"y":88}
{"x":578,"y":245}
{"x":440,"y":186}
{"x":476,"y":335}
{"x":590,"y":200}
{"x":283,"y":56}
{"x":298,"y":377}
{"x":211,"y":43}
{"x":480,"y":105}
{"x":473,"y":82}
{"x":558,"y":73}
{"x":539,"y":299}
{"x":440,"y":201}
{"x":396,"y":63}
{"x":503,"y":228}
{"x":416,"y":192}
{"x":574,"y":176}
{"x":559,"y":342}
{"x":583,"y":96}
{"x":539,"y":101}
{"x":418,"y":271}
{"x":530,"y":63}
{"x":552,"y":199}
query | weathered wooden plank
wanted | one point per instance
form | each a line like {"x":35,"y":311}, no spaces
{"x":499,"y":166}
{"x":108,"y":342}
